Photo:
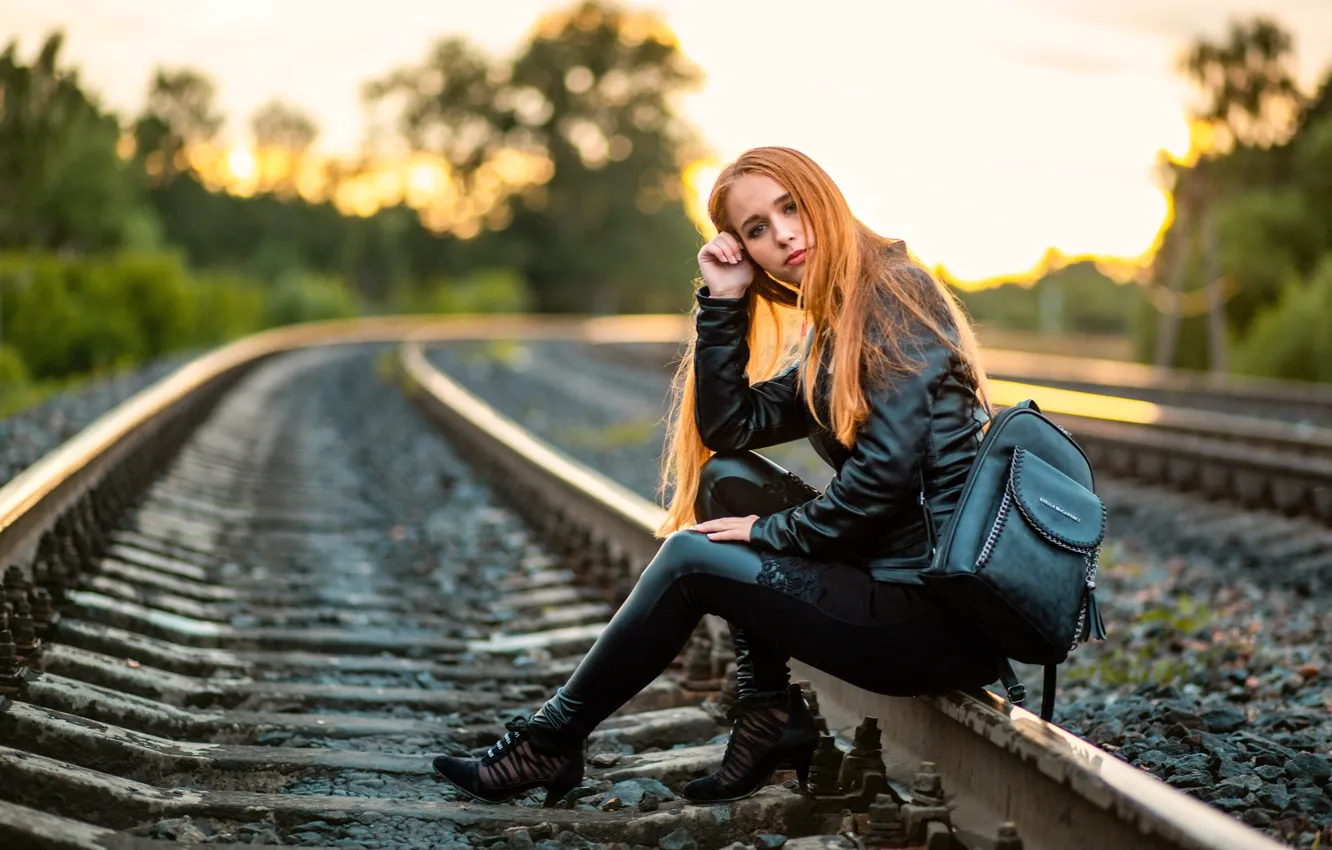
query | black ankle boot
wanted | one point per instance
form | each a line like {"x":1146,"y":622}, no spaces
{"x":517,"y":763}
{"x":761,"y":742}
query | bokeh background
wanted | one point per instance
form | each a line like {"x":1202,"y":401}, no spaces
{"x":1148,"y":180}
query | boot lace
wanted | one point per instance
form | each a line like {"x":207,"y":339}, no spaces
{"x":517,"y":758}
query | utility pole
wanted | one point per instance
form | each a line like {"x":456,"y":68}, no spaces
{"x":1212,"y":280}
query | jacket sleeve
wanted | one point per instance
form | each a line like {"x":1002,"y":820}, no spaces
{"x":878,"y":480}
{"x":732,"y":415}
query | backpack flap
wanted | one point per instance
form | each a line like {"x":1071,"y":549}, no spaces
{"x":1066,"y":514}
{"x":1059,"y":508}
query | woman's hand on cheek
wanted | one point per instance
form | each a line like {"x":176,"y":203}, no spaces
{"x":728,"y":528}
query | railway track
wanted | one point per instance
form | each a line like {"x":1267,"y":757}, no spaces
{"x":248,"y":606}
{"x":1287,"y":401}
{"x":1262,"y":444}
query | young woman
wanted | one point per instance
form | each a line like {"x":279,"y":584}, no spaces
{"x":886,"y":384}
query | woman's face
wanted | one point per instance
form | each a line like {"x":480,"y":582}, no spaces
{"x":769,"y":226}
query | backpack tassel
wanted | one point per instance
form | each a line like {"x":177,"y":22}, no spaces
{"x":1093,"y":627}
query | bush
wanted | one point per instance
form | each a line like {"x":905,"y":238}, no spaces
{"x":226,"y":306}
{"x":1291,"y":340}
{"x":487,"y":291}
{"x":309,"y":298}
{"x":70,"y":317}
{"x":16,"y":389}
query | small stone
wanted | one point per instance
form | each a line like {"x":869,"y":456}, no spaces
{"x":605,"y":759}
{"x":1312,"y":802}
{"x":629,"y":792}
{"x":769,"y":840}
{"x":1224,"y":719}
{"x":1242,"y":784}
{"x":1196,"y":761}
{"x":680,"y":839}
{"x":369,"y":818}
{"x":1232,"y":804}
{"x":1274,"y":797}
{"x":1268,"y":772}
{"x":1228,"y":769}
{"x":656,"y":788}
{"x":1309,"y":671}
{"x":1311,"y":766}
{"x":1256,"y":818}
{"x":1109,"y":732}
{"x":1190,"y":779}
{"x":520,"y":839}
{"x":612,"y":804}
{"x":1181,"y":717}
{"x":1152,"y":758}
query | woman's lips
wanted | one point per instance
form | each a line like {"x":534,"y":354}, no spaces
{"x":796,"y":258}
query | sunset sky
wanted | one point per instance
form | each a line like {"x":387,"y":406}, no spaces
{"x":981,"y":131}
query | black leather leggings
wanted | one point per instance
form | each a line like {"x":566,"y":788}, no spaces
{"x":894,"y":639}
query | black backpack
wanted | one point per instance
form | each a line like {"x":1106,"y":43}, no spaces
{"x":1019,"y":555}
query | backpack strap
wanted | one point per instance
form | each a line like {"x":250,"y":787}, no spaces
{"x":1017,"y":692}
{"x":1048,"y":689}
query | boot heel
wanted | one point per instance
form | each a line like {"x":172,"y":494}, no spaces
{"x":564,"y":781}
{"x":801,"y":758}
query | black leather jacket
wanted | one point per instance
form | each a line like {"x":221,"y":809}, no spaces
{"x":922,"y":428}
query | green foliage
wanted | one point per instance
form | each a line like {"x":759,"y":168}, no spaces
{"x":1292,"y":339}
{"x":599,"y":225}
{"x":309,"y":298}
{"x":71,"y":316}
{"x":1246,"y":80}
{"x":65,"y":317}
{"x":226,"y":306}
{"x":1266,"y":238}
{"x":1268,"y":183}
{"x":485,"y":291}
{"x":62,"y":186}
{"x":16,"y":388}
{"x":13,"y":372}
{"x":1073,"y":299}
{"x":1147,"y":647}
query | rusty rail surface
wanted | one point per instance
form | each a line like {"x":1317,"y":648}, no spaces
{"x":1001,"y":762}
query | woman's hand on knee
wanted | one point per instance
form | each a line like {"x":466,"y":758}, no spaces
{"x":728,"y":528}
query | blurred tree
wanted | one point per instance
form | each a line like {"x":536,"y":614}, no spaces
{"x":1249,"y":90}
{"x":1234,"y":236}
{"x":1071,"y":297}
{"x":283,"y":135}
{"x":62,"y":186}
{"x":180,"y":113}
{"x":574,"y":151}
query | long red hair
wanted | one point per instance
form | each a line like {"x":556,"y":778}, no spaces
{"x":857,"y":286}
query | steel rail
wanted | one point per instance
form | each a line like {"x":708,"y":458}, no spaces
{"x":1259,"y":462}
{"x":1000,"y":762}
{"x":1238,"y":394}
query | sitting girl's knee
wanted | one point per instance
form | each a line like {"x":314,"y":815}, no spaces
{"x":680,"y":553}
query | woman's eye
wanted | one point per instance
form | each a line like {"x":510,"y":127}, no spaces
{"x":791,"y":207}
{"x":757,"y":229}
